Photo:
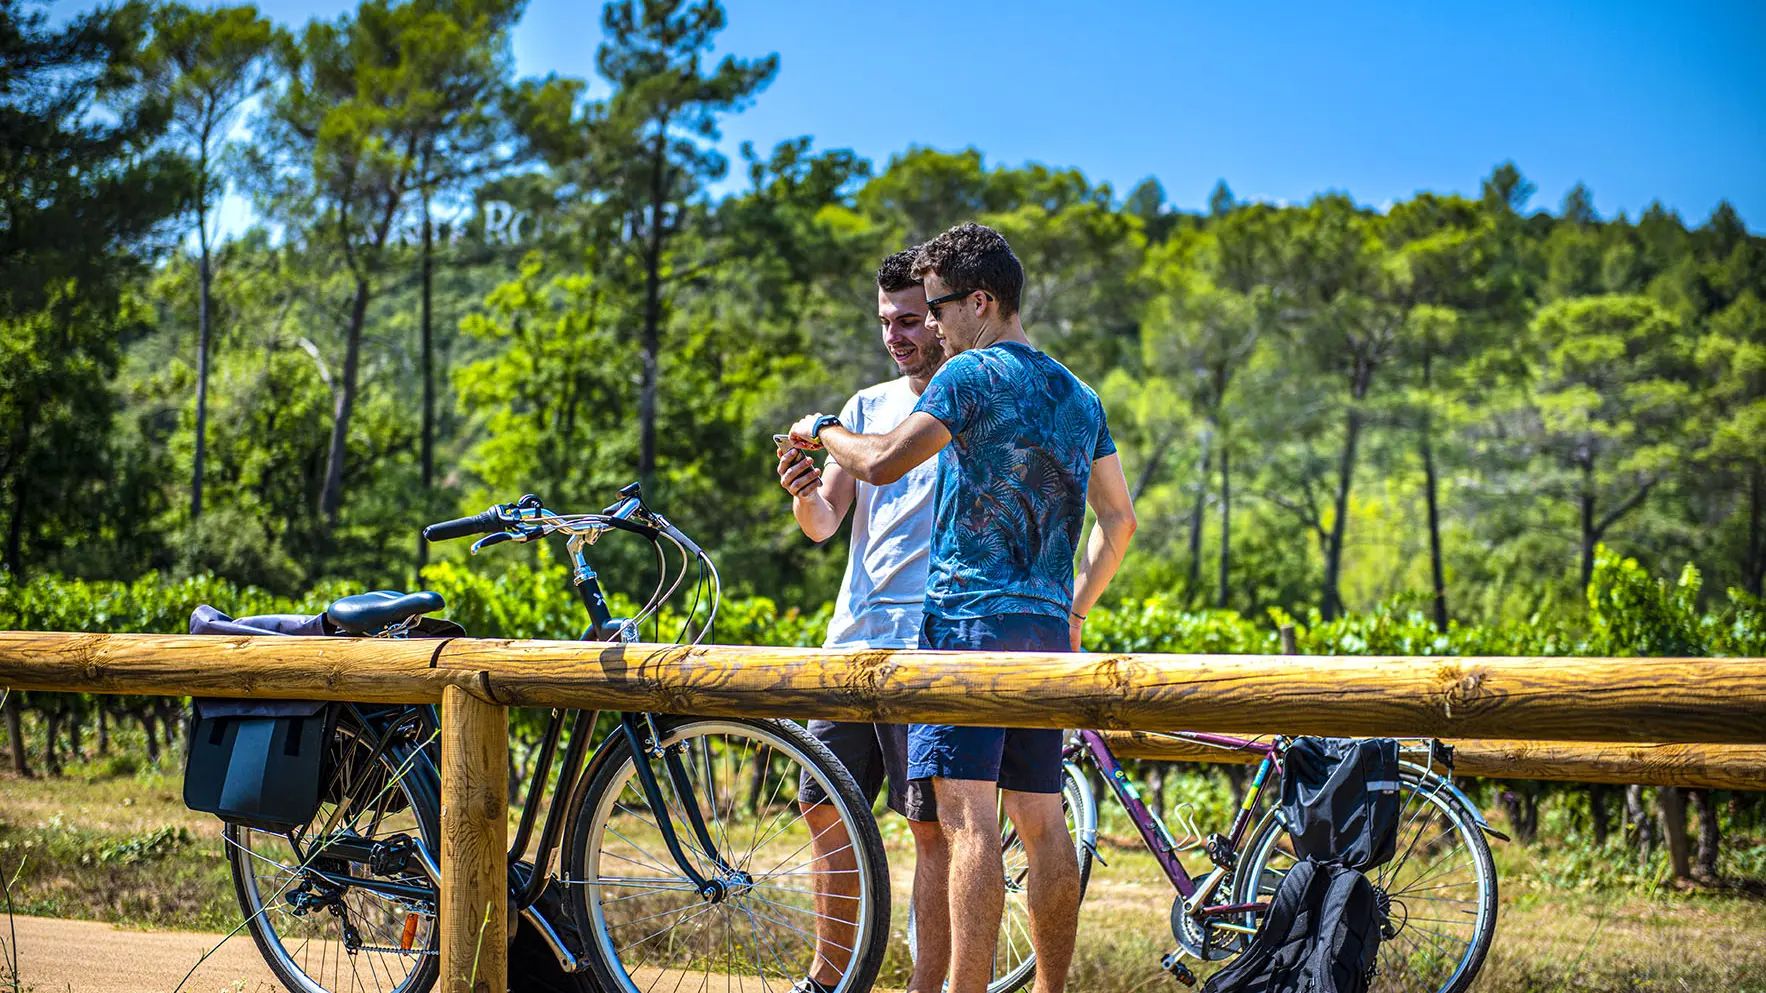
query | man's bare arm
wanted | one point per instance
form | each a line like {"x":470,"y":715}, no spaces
{"x":1108,"y":496}
{"x":881,"y":459}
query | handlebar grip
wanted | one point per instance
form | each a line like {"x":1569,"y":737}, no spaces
{"x":484,"y":523}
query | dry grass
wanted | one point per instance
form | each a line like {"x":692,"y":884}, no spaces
{"x":122,"y":848}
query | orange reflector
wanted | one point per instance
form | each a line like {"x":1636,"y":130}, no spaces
{"x":410,"y":934}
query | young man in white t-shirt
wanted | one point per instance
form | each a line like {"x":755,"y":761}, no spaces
{"x":879,"y":606}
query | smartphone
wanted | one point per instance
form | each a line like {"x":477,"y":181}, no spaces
{"x":783,"y":443}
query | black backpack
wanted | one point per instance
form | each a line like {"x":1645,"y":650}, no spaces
{"x":1320,"y":935}
{"x":1340,"y":798}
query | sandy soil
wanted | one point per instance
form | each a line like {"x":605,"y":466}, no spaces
{"x":57,"y":956}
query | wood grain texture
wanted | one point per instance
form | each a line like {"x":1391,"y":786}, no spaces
{"x":475,"y":830}
{"x":1566,"y":699}
{"x":368,"y":670}
{"x":1719,"y":767}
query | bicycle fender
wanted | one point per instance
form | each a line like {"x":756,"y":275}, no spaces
{"x":1446,"y":783}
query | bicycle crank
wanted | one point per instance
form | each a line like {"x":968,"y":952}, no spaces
{"x":1206,"y":944}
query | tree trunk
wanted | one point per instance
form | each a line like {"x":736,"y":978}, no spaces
{"x":1757,"y":532}
{"x":170,"y":719}
{"x":1638,"y":821}
{"x":204,"y":316}
{"x":1226,"y":520}
{"x":1704,"y":812}
{"x":1196,"y":520}
{"x":1521,"y":802}
{"x":423,"y":320}
{"x":1671,"y":805}
{"x":145,"y":715}
{"x":1600,"y":818}
{"x":15,"y":735}
{"x":21,"y":484}
{"x":1430,"y":488}
{"x":652,"y":343}
{"x":75,"y":715}
{"x":1333,"y":597}
{"x":1589,"y":537}
{"x":331,"y":497}
{"x":52,"y":739}
{"x":1155,"y":462}
{"x":103,"y":727}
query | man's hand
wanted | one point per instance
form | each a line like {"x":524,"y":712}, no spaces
{"x":1075,"y":626}
{"x":803,"y":432}
{"x":798,"y":473}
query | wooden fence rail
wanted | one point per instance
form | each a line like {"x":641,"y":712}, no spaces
{"x":1717,"y":767}
{"x":475,"y":681}
{"x":1550,"y":699}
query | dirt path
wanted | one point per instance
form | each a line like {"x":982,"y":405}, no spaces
{"x":88,"y":957}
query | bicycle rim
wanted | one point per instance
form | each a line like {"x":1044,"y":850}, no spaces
{"x":395,"y":941}
{"x":650,"y":930}
{"x":1441,"y":884}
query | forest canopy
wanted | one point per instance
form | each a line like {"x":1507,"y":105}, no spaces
{"x":462,"y":286}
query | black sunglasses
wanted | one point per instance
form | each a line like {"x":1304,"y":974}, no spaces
{"x":937,"y":302}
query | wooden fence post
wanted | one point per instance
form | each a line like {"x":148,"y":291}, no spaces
{"x":475,"y":843}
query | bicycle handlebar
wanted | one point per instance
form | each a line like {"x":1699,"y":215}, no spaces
{"x":485,"y":523}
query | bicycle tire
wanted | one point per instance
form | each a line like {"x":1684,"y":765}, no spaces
{"x":765,"y":911}
{"x":1404,"y":963}
{"x":401,"y":772}
{"x":1019,"y":968}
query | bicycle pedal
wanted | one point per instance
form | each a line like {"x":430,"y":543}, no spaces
{"x":1173,"y":963}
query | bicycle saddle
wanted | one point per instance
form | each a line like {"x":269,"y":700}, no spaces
{"x":369,"y":613}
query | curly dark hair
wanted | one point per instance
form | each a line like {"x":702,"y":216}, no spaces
{"x":897,"y":272}
{"x":973,"y":256}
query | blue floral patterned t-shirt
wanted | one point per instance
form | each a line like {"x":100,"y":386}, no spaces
{"x":1010,"y":497}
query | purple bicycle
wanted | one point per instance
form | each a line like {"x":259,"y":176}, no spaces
{"x":1438,"y":893}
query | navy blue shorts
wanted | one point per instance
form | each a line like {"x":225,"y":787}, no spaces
{"x":1024,"y":759}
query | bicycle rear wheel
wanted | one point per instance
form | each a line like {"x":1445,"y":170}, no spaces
{"x":646,"y":924}
{"x":319,"y":934}
{"x":1440,"y":889}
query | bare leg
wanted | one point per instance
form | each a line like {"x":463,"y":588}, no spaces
{"x":968,"y":810}
{"x":836,"y":884}
{"x":931,"y":907}
{"x":1053,"y":888}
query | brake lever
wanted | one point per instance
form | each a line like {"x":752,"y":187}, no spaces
{"x":491,"y":539}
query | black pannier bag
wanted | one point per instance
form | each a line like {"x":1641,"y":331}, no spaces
{"x":258,"y":763}
{"x":1321,"y":934}
{"x":1341,"y":801}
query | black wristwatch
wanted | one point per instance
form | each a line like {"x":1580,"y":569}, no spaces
{"x":815,"y":433}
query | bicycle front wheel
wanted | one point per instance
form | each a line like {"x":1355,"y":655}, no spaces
{"x":1438,"y":891}
{"x":806,"y":889}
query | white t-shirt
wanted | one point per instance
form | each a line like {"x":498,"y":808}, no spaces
{"x":881,"y":599}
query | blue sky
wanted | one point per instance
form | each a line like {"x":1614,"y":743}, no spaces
{"x":1282,"y":100}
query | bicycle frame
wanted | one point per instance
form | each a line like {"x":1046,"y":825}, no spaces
{"x":1152,"y":827}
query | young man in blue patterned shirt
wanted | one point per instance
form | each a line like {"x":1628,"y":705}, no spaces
{"x":1023,"y":446}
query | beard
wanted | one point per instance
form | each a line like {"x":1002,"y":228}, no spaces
{"x":924,"y":362}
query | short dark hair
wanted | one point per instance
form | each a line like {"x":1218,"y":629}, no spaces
{"x":973,"y":256}
{"x":897,"y":272}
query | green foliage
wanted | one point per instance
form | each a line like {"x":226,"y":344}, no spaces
{"x":149,"y":847}
{"x":1319,"y":406}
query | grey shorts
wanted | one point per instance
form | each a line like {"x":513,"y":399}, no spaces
{"x":874,"y":754}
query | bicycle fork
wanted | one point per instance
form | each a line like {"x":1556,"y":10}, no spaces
{"x":646,"y":743}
